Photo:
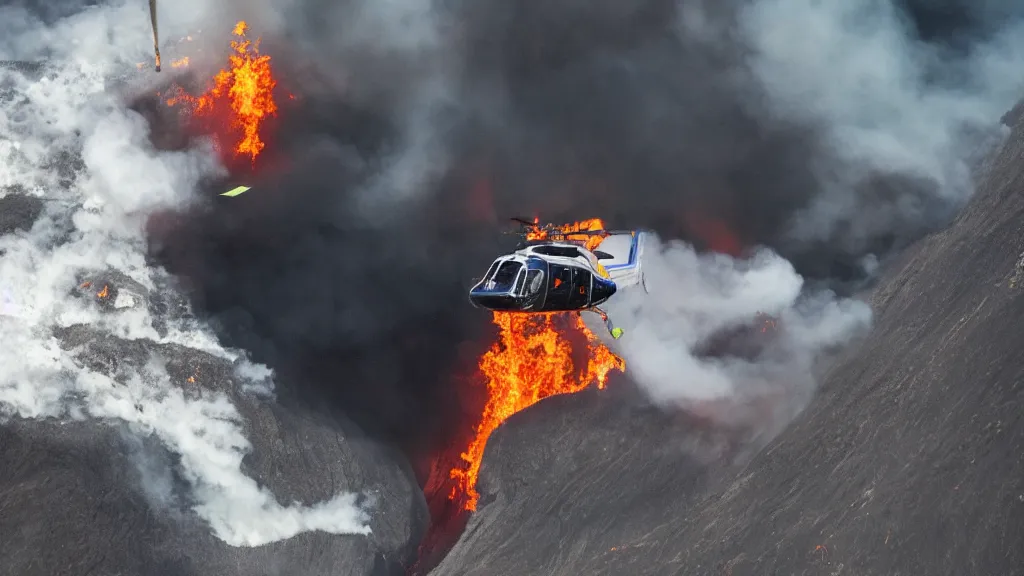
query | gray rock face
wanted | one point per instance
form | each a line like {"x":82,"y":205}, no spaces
{"x":909,"y":461}
{"x":18,"y":212}
{"x":92,"y":497}
{"x":570,"y":484}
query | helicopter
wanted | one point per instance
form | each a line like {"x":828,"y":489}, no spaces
{"x":573,"y":267}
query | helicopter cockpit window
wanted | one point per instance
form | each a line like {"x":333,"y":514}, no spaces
{"x":505,"y":276}
{"x":534,"y":281}
{"x":490,"y":272}
{"x":492,"y":269}
{"x":520,"y":282}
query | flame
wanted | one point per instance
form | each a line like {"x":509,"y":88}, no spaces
{"x":103,"y":293}
{"x":572,"y":232}
{"x":248,"y":85}
{"x":531,"y":360}
{"x":180,"y":62}
{"x":767,"y":322}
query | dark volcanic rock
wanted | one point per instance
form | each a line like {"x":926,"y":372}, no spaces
{"x":18,"y":212}
{"x":569,"y":484}
{"x":89,"y":497}
{"x":909,"y":461}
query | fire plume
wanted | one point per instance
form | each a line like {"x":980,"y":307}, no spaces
{"x":532,"y":360}
{"x":574,"y":232}
{"x":248,"y":87}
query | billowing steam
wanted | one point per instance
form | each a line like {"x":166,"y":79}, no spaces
{"x":899,"y":110}
{"x":93,"y":223}
{"x":902,"y":117}
{"x":734,"y":338}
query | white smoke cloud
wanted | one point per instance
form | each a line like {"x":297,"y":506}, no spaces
{"x":694,"y":298}
{"x":121,"y":181}
{"x":889,"y":104}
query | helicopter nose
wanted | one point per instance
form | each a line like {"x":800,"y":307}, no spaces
{"x":603,"y":289}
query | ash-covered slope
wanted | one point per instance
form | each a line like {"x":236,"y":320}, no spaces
{"x":909,"y":460}
{"x":103,"y":496}
{"x":82,"y":497}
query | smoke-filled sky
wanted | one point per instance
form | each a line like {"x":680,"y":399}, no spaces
{"x":831,"y":133}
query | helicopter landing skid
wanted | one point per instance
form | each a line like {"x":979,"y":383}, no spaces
{"x":615,"y":331}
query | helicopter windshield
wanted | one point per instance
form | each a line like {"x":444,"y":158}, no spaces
{"x":504,"y":277}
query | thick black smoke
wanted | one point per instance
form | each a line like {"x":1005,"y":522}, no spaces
{"x":413,"y":135}
{"x":957,"y":24}
{"x":352,"y":315}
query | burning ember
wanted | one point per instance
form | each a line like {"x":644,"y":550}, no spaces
{"x":247,"y":86}
{"x":101,"y":294}
{"x":767,"y":323}
{"x":531,"y":360}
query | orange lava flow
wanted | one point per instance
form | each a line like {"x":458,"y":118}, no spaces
{"x":532,"y":360}
{"x":248,"y":85}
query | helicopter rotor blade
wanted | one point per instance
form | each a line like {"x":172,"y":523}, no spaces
{"x":156,"y":36}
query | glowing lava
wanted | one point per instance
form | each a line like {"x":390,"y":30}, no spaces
{"x":532,"y":360}
{"x":247,"y":85}
{"x":766,"y":322}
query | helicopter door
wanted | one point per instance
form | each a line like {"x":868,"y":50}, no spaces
{"x":559,"y":288}
{"x":582,"y":284}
